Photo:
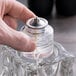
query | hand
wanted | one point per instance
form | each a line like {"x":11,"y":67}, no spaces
{"x":10,"y":11}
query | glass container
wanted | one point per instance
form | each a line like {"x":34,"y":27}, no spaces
{"x":48,"y":59}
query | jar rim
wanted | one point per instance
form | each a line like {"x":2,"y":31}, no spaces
{"x":44,"y":23}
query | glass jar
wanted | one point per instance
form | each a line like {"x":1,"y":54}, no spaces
{"x":42,"y":33}
{"x":48,"y":59}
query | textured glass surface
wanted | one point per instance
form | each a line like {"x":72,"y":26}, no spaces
{"x":59,"y":63}
{"x":44,"y":41}
{"x":48,"y":59}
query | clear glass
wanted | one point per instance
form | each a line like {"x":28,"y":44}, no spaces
{"x":48,"y":59}
{"x":59,"y":63}
{"x":44,"y":42}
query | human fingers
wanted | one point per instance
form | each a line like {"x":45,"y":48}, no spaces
{"x":15,"y":39}
{"x":18,"y":10}
{"x":12,"y":22}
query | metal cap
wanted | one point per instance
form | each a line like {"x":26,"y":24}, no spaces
{"x":37,"y":22}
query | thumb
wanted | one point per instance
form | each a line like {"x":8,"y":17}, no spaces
{"x":15,"y":39}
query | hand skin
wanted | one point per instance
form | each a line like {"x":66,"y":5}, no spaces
{"x":10,"y":11}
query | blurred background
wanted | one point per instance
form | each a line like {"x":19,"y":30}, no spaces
{"x":60,"y":17}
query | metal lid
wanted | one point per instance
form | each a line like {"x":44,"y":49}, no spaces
{"x":37,"y":23}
